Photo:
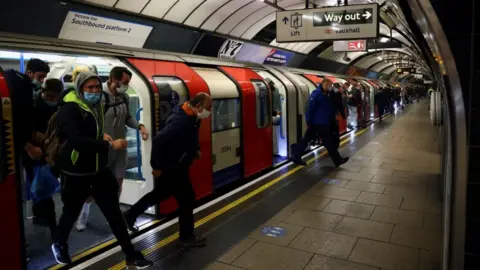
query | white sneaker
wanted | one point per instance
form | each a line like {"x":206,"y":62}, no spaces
{"x":82,"y":222}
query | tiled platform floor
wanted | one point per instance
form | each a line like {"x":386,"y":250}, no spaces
{"x":381,"y":212}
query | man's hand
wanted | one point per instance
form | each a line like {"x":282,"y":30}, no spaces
{"x":119,"y":144}
{"x":107,"y":137}
{"x":156,"y":173}
{"x":144,"y":132}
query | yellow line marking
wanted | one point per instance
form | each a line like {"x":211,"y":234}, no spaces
{"x":226,"y":208}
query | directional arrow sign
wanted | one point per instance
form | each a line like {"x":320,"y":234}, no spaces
{"x":333,"y":23}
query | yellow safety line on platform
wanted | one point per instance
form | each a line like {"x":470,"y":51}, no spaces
{"x":224,"y":209}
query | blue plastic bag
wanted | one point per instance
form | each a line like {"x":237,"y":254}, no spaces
{"x":45,"y":184}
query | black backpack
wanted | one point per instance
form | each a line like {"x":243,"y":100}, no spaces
{"x":116,"y":104}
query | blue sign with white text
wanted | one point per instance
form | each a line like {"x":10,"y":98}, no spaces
{"x":273,"y":231}
{"x":278,"y":57}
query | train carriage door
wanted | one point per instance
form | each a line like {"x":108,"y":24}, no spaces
{"x":12,"y":247}
{"x":279,"y":120}
{"x":256,"y":121}
{"x":167,"y":76}
{"x":226,"y":153}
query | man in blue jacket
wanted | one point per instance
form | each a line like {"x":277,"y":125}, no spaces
{"x":318,"y":116}
{"x":174,"y":149}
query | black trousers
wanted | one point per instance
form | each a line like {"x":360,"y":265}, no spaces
{"x":104,"y":189}
{"x":335,"y":131}
{"x":174,"y":183}
{"x":325,"y":133}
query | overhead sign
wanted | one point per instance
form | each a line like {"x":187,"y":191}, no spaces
{"x":93,"y":28}
{"x":350,"y":45}
{"x":332,"y":23}
{"x":230,"y":49}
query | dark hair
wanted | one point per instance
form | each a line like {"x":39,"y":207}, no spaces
{"x":117,"y":72}
{"x":37,"y":65}
{"x":199,"y":99}
{"x":337,"y":85}
{"x":53,"y":85}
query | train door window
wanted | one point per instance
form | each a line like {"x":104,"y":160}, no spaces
{"x":226,"y":114}
{"x":311,"y":86}
{"x":263,"y":110}
{"x":167,"y":87}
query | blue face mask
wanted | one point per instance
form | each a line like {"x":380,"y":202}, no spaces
{"x":92,"y":98}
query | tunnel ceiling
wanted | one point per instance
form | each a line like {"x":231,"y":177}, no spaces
{"x":255,"y":20}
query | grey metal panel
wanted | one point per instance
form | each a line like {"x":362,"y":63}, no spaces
{"x":381,"y":66}
{"x":181,"y":10}
{"x":223,"y":14}
{"x":199,"y":16}
{"x":158,"y":8}
{"x":454,"y":237}
{"x":238,"y":16}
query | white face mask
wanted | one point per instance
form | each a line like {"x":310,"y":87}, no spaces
{"x":204,"y":114}
{"x":335,"y":90}
{"x":122,"y":89}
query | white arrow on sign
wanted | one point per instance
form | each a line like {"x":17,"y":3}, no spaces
{"x":367,"y":15}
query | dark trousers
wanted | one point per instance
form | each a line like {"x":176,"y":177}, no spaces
{"x":104,"y":188}
{"x":174,"y":183}
{"x":325,"y":133}
{"x":335,"y":131}
{"x":381,"y":110}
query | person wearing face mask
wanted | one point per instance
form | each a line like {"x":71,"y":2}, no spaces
{"x":117,"y":116}
{"x":83,"y":162}
{"x":173,"y":151}
{"x":319,"y":115}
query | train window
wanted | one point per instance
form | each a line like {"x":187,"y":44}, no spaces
{"x":263,"y":111}
{"x":134,"y":149}
{"x":167,"y":85}
{"x":225,"y":114}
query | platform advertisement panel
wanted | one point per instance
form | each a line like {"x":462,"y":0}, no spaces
{"x":92,"y":28}
{"x":278,"y":57}
{"x":253,"y":53}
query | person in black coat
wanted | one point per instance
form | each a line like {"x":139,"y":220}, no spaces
{"x":336,"y":100}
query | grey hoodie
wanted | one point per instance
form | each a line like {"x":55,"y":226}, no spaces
{"x":82,"y":77}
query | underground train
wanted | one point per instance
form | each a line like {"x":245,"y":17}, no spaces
{"x":241,"y":139}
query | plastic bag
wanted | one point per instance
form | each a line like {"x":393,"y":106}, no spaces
{"x":45,"y":184}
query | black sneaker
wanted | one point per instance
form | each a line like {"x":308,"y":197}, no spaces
{"x":130,"y":222}
{"x":344,"y":160}
{"x":60,"y":252}
{"x":138,"y":261}
{"x":194,"y":242}
{"x":299,"y":161}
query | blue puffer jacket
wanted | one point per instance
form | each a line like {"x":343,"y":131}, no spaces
{"x":319,"y":111}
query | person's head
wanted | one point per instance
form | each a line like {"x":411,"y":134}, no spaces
{"x":326,"y":85}
{"x":201,"y":105}
{"x":51,"y":91}
{"x":89,"y":87}
{"x":37,"y":71}
{"x":337,"y":87}
{"x":119,"y":79}
{"x":347,"y":85}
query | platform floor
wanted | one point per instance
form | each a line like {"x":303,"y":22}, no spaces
{"x":381,"y":210}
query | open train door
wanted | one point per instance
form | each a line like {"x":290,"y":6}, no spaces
{"x":12,"y":249}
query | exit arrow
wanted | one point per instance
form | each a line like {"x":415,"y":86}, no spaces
{"x":285,"y":20}
{"x":367,"y":15}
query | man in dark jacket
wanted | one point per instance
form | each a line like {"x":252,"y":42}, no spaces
{"x":83,"y":163}
{"x":45,"y":105}
{"x":381,"y":100}
{"x":318,"y":117}
{"x":173,"y":151}
{"x":336,"y":100}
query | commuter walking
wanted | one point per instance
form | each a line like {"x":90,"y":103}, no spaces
{"x":173,"y":151}
{"x":318,"y":117}
{"x":117,"y":117}
{"x":380,"y":100}
{"x":80,"y":150}
{"x":336,"y":100}
{"x":45,"y":105}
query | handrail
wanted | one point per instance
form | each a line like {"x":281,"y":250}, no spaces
{"x":282,"y":98}
{"x":139,"y":141}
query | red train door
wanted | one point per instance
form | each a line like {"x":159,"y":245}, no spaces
{"x":175,"y":75}
{"x":256,"y":119}
{"x":12,"y":247}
